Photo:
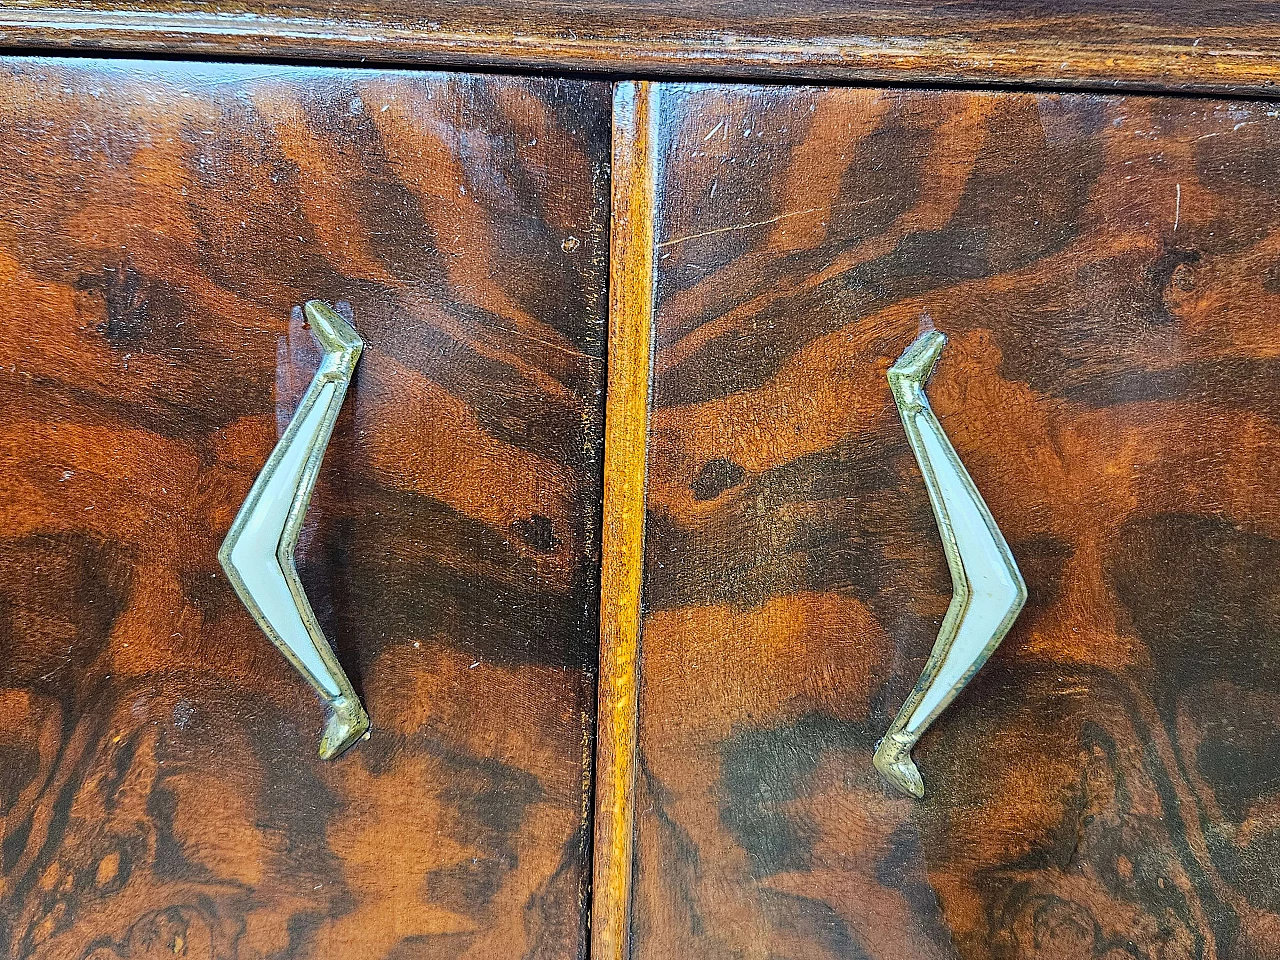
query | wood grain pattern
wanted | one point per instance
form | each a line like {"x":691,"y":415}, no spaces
{"x":1106,"y":268}
{"x":626,"y":436}
{"x":159,"y":790}
{"x":1178,"y":44}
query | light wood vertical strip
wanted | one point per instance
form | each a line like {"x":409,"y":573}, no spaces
{"x":626,"y":432}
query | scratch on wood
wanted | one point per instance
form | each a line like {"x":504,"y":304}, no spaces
{"x":740,"y":226}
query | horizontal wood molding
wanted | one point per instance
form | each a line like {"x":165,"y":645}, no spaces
{"x":1209,"y":47}
{"x":626,"y":434}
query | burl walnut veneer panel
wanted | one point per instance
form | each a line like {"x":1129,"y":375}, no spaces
{"x":160,"y":792}
{"x":1108,"y":271}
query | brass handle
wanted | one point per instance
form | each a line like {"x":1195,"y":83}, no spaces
{"x":258,"y":552}
{"x":987,"y":589}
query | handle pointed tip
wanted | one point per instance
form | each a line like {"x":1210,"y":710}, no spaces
{"x":893,"y":759}
{"x":347,"y":723}
{"x":331,"y":328}
{"x":917,"y":361}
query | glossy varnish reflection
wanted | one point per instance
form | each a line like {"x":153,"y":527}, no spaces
{"x":159,"y":789}
{"x":1106,"y":271}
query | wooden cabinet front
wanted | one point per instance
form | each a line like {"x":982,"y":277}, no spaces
{"x":160,"y":792}
{"x":772,"y":548}
{"x":1106,"y":270}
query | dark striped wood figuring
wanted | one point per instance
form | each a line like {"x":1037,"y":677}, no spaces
{"x":1108,"y":272}
{"x":160,"y":792}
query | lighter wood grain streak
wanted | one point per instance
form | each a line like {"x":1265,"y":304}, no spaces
{"x":626,"y":431}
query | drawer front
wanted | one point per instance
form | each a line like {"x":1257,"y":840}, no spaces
{"x":160,"y":791}
{"x":1106,"y":271}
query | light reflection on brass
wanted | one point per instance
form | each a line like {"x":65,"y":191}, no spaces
{"x":987,"y":590}
{"x":258,"y":551}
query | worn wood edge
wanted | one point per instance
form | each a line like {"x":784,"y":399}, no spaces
{"x":1110,"y":56}
{"x":626,"y":434}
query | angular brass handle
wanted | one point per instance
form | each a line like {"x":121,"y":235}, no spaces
{"x":258,"y":552}
{"x":987,"y":588}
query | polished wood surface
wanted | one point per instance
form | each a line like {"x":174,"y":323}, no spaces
{"x":159,"y":789}
{"x":1106,"y":268}
{"x":1179,"y":44}
{"x":626,"y":434}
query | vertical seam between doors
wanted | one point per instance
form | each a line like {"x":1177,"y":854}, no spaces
{"x":629,"y":378}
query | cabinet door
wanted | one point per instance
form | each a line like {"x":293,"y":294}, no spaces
{"x":1107,"y":270}
{"x":160,"y":789}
